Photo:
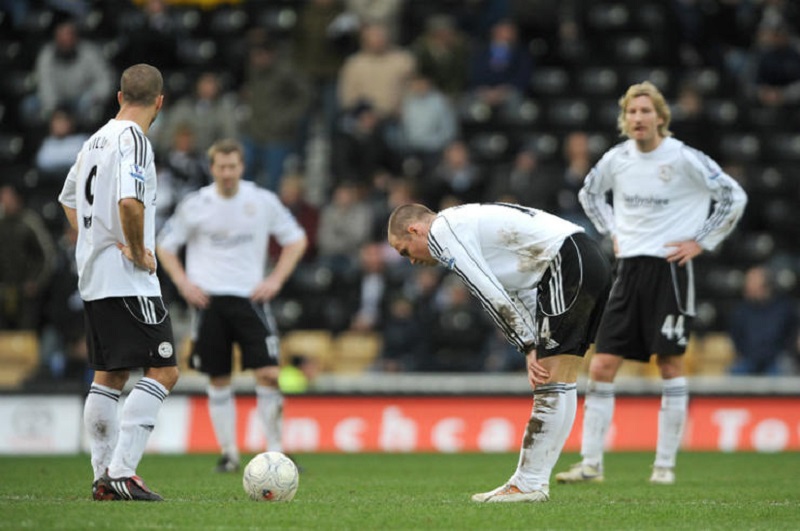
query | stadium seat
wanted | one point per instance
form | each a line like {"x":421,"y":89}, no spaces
{"x":11,"y":147}
{"x":197,"y":52}
{"x":722,"y":112}
{"x":19,"y":357}
{"x":225,"y":22}
{"x":491,"y":146}
{"x":740,"y":147}
{"x":545,"y":145}
{"x":550,"y":81}
{"x":608,"y":17}
{"x":313,"y":344}
{"x":599,"y":81}
{"x":715,"y":355}
{"x":632,"y":49}
{"x":355,"y":352}
{"x":662,"y":78}
{"x":568,"y":114}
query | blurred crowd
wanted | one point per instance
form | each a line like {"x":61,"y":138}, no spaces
{"x":348,"y":108}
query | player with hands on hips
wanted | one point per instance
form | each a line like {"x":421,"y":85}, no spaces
{"x":109,"y":197}
{"x":661,"y":219}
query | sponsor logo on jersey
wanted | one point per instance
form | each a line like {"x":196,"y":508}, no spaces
{"x":637,"y":200}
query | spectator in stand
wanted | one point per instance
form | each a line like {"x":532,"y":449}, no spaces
{"x":455,"y":176}
{"x":577,"y":162}
{"x":763,"y":327}
{"x":428,"y":122}
{"x":57,"y":152}
{"x":292,"y":195}
{"x":278,"y":98}
{"x":26,"y":263}
{"x":345,"y":225}
{"x":370,"y":312}
{"x":70,"y":73}
{"x":405,"y":338}
{"x":360,"y":150}
{"x":208,"y":113}
{"x":186,"y":163}
{"x":377,"y":73}
{"x":319,"y":56}
{"x":151,"y":36}
{"x":384,"y":12}
{"x":777,"y":77}
{"x":460,"y":332}
{"x":442,"y":55}
{"x":526,"y":181}
{"x":62,"y":342}
{"x":500,"y":72}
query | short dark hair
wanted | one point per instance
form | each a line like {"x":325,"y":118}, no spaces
{"x":225,"y":146}
{"x":141,"y":84}
{"x":404,"y":215}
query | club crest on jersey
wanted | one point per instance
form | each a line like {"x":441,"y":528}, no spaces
{"x":137,"y":172}
{"x":665,"y":172}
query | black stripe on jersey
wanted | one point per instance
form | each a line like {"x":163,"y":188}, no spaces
{"x":140,"y":191}
{"x":721,"y":212}
{"x":504,"y":325}
{"x":520,"y":208}
{"x":592,"y":210}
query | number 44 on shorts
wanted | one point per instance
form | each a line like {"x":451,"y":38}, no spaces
{"x":673,"y":329}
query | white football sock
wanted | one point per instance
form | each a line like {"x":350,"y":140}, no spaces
{"x":671,"y":420}
{"x":222,"y":409}
{"x":269,"y":403}
{"x":543,"y":438}
{"x":101,"y":420}
{"x":597,"y":414}
{"x":137,"y":421}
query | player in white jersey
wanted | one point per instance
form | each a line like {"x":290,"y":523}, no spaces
{"x":544,"y":283}
{"x":662,"y":192}
{"x":225,"y":228}
{"x":109,"y":196}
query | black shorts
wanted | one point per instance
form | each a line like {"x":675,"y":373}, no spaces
{"x":650,"y":311}
{"x":128,"y":333}
{"x":571,"y":297}
{"x":228,"y":320}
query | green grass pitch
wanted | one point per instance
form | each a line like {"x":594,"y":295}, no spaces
{"x":415,"y":491}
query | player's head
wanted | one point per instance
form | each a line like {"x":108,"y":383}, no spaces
{"x":142,"y":86}
{"x":226,"y":162}
{"x":408,"y":232}
{"x":635,"y":99}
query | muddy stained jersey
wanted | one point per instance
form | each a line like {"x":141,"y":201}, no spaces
{"x":227,"y":238}
{"x":115,"y":163}
{"x":660,"y":197}
{"x":501,"y":251}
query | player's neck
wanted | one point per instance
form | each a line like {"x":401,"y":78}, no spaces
{"x":651,"y":144}
{"x":139,"y":115}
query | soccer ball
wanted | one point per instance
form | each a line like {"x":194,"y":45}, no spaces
{"x":270,"y":476}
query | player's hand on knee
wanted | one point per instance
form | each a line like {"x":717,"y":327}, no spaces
{"x":537,"y":374}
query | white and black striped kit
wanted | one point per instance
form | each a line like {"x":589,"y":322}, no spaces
{"x":114,"y":164}
{"x":503,"y":252}
{"x":660,"y":197}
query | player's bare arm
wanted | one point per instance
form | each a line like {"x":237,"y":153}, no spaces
{"x":683,"y":251}
{"x":191,"y":292}
{"x":131,"y":213}
{"x":287,"y":261}
{"x":72,"y":216}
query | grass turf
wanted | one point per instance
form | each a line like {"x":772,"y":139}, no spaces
{"x":415,"y":491}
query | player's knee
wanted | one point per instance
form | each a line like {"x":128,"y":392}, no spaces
{"x":604,"y":367}
{"x":166,"y":376}
{"x":670,"y":366}
{"x":267,"y":376}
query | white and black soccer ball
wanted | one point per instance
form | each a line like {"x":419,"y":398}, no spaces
{"x":271,"y":476}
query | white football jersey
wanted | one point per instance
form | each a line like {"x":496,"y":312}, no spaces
{"x":115,"y":163}
{"x":660,"y":197}
{"x":227,"y":239}
{"x":500,"y":251}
